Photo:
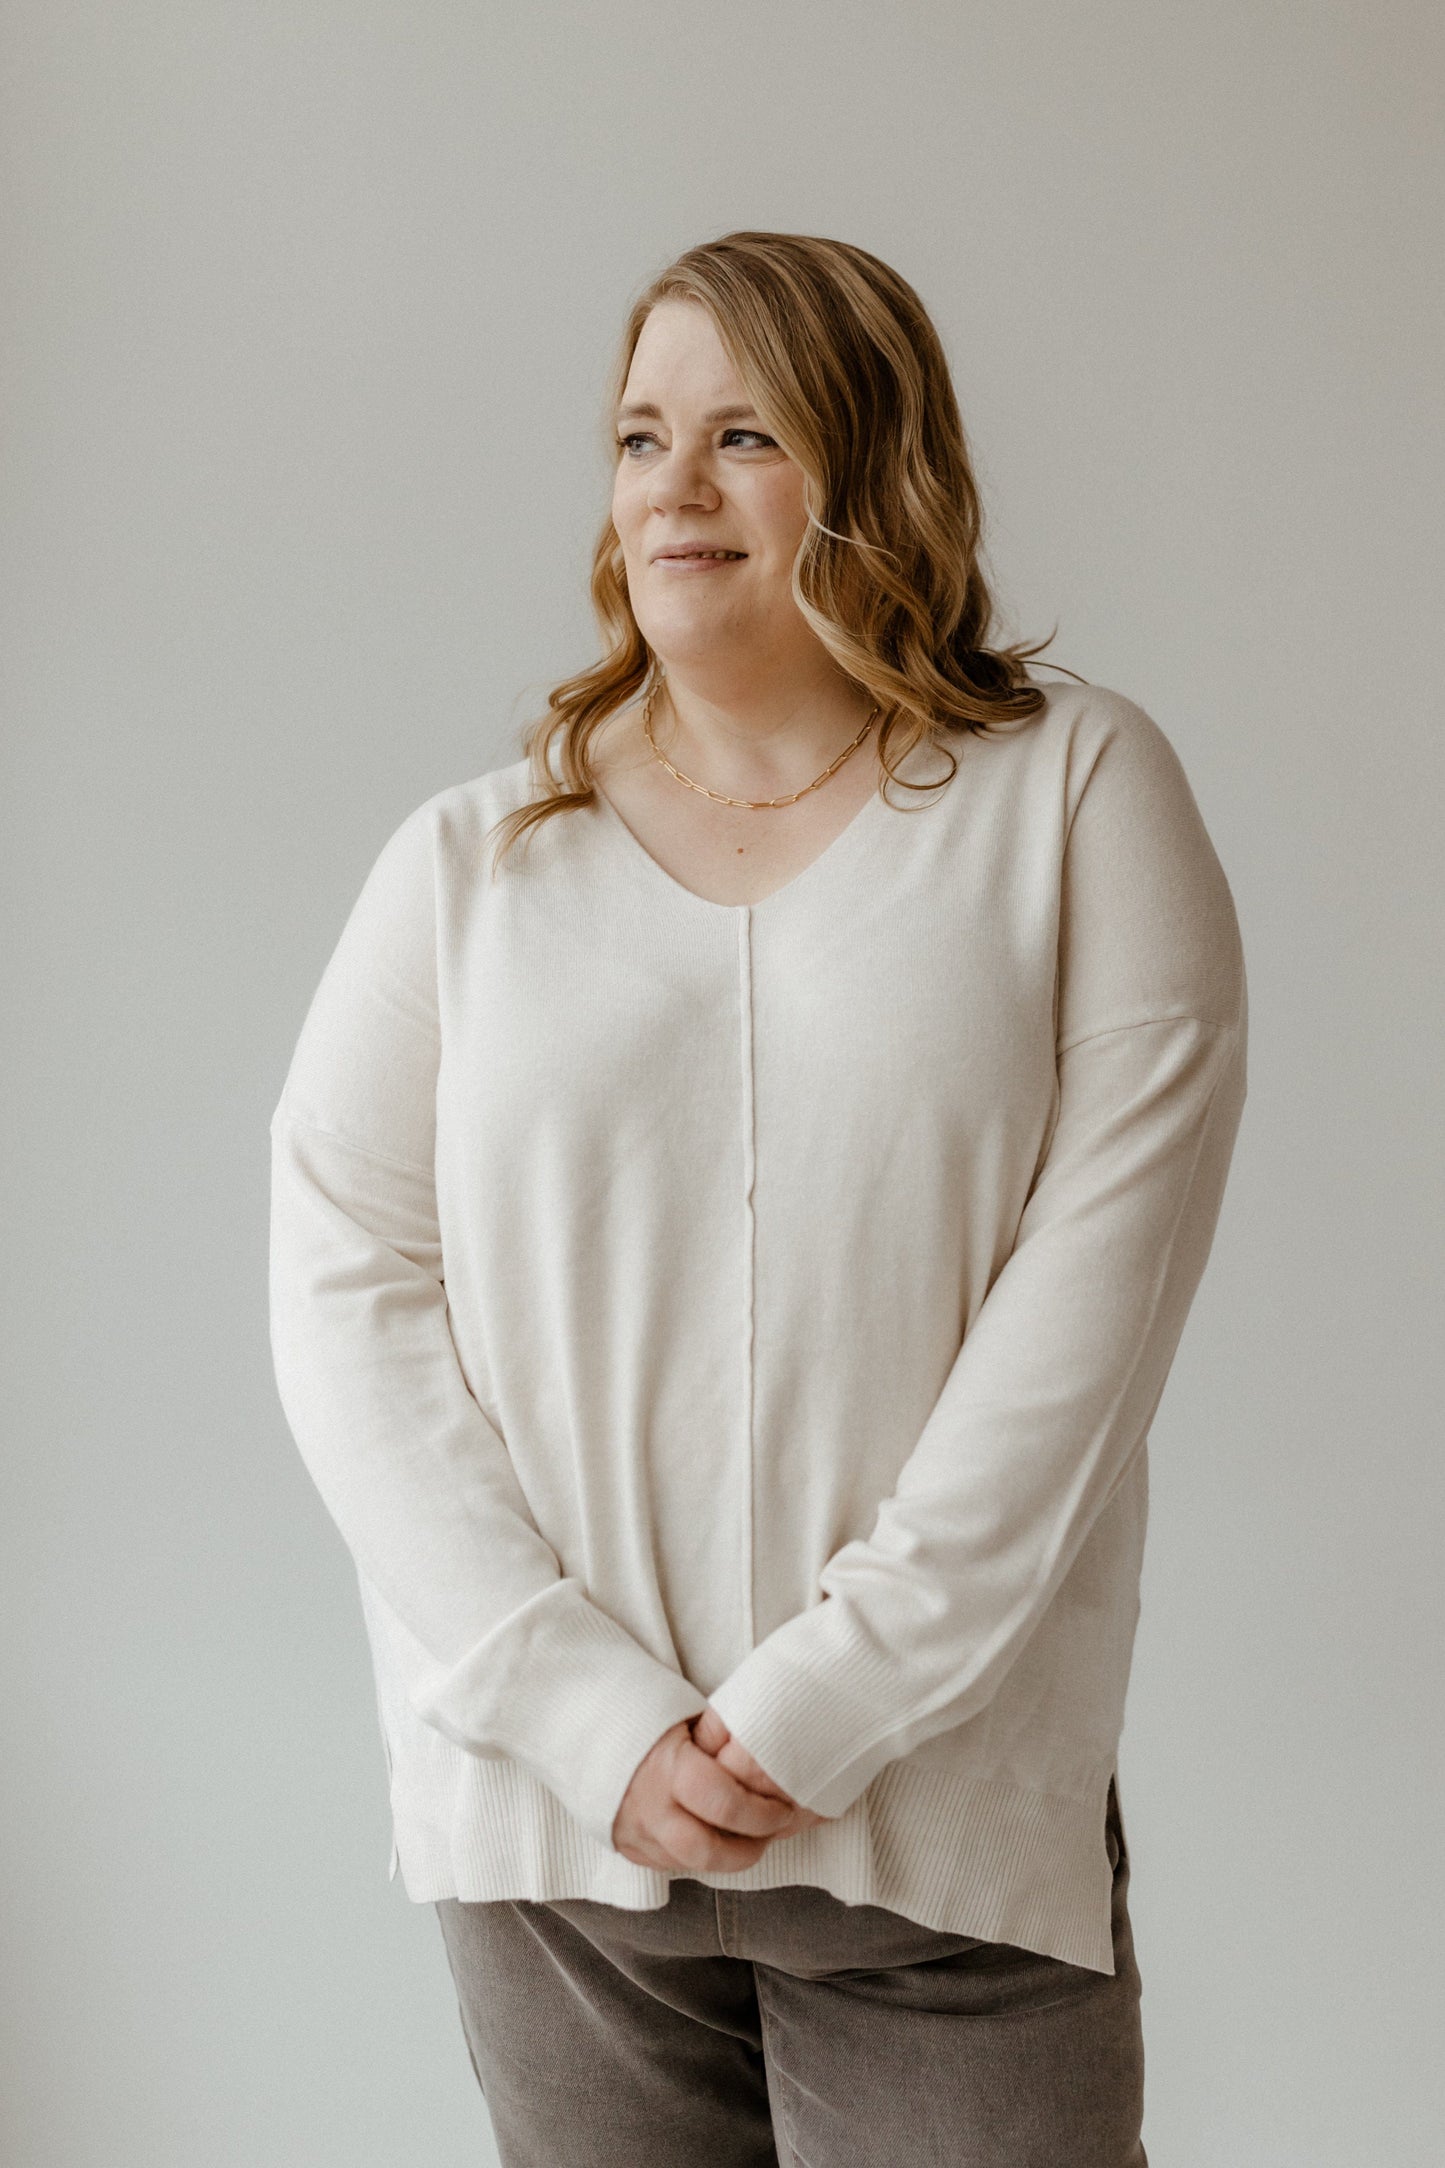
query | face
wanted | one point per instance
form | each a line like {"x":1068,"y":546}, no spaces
{"x":696,"y":470}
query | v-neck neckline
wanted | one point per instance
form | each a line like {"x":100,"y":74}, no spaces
{"x":825,"y":859}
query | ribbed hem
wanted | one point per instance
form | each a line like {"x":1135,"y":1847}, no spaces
{"x":961,"y":1855}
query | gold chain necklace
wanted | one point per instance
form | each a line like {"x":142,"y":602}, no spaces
{"x":756,"y":804}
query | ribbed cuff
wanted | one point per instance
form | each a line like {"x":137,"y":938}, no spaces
{"x":568,"y":1693}
{"x":817,"y":1706}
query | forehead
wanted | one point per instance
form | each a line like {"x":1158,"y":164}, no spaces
{"x":679,"y":354}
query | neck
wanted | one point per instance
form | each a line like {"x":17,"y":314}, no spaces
{"x":766,"y":742}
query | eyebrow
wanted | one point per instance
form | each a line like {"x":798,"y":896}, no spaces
{"x":654,"y":413}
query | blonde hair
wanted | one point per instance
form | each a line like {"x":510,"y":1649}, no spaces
{"x":846,"y":370}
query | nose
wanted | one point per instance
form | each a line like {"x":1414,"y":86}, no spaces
{"x":679,"y":481}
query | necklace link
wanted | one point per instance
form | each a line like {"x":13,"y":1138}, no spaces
{"x":754,"y":804}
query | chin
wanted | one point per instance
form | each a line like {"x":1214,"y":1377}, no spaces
{"x":700,"y":636}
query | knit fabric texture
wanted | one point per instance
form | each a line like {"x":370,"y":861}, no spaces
{"x":766,"y":1305}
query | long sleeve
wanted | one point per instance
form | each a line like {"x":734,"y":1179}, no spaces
{"x":505,"y":1655}
{"x":1057,"y":1378}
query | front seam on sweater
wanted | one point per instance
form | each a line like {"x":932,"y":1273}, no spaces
{"x":745,"y":1038}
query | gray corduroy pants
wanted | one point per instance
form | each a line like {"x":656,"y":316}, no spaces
{"x":753,"y":2028}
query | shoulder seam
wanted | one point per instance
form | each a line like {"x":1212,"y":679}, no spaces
{"x":1141,"y":1023}
{"x":284,"y":1115}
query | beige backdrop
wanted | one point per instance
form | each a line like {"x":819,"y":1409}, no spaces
{"x":308,"y":312}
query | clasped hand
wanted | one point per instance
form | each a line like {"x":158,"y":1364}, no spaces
{"x":699,"y":1803}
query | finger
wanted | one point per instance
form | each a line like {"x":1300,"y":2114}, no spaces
{"x":706,"y":1789}
{"x":741,"y":1764}
{"x":739,"y":1761}
{"x":678,"y":1842}
{"x":698,"y":1846}
{"x":709,"y":1730}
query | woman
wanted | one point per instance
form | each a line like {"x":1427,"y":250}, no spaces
{"x":737,"y":1195}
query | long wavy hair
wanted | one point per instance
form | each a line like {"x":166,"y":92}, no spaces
{"x":846,"y":370}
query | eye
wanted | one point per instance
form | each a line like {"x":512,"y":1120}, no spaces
{"x":645,"y":436}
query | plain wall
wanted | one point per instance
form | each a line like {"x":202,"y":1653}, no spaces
{"x":307,"y":318}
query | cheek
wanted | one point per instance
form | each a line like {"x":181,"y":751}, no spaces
{"x":624,"y":501}
{"x":781,"y":514}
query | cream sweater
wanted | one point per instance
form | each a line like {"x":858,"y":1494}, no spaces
{"x":645,"y":1270}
